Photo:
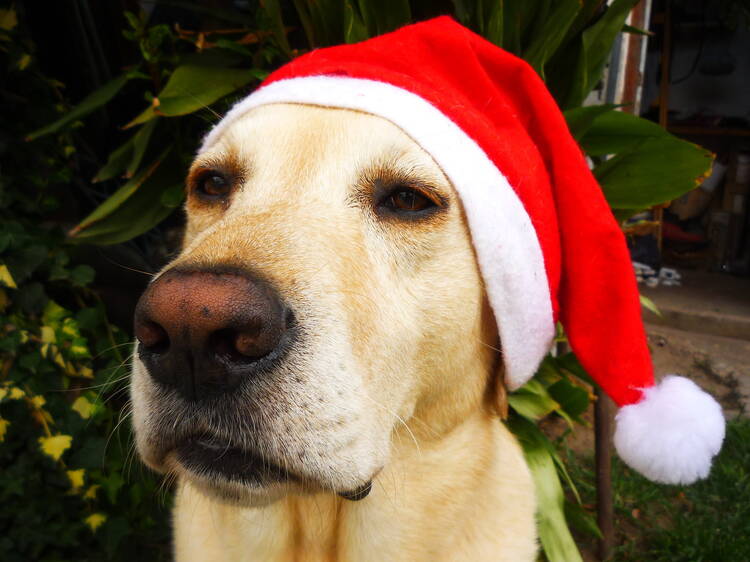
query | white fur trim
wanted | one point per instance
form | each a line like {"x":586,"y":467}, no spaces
{"x":506,"y":244}
{"x":671,"y":435}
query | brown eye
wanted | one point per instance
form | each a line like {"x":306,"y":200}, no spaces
{"x":408,"y":200}
{"x":213,"y":186}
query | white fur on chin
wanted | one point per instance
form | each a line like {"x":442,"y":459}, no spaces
{"x":672,"y":435}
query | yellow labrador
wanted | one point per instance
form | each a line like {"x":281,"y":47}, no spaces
{"x":319,"y":366}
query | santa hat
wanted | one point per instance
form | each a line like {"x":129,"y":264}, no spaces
{"x":547,"y":244}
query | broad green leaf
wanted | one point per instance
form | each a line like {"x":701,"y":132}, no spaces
{"x":382,"y":16}
{"x":581,"y":520}
{"x":649,"y":304}
{"x":354,"y":27}
{"x":118,"y":197}
{"x":598,"y":39}
{"x":127,"y":158}
{"x":90,"y":103}
{"x":550,"y":32}
{"x":654,"y":171}
{"x":532,"y":401}
{"x":580,"y":119}
{"x":616,"y":131}
{"x":272,"y":9}
{"x":573,"y":399}
{"x":191,"y":88}
{"x":141,"y":210}
{"x":553,"y":530}
{"x":636,"y":30}
{"x":495,"y":22}
{"x":55,"y":446}
{"x":570,"y":365}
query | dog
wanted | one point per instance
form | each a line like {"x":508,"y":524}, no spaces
{"x":319,"y":367}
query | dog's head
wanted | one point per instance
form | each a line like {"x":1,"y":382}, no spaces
{"x":326,"y":301}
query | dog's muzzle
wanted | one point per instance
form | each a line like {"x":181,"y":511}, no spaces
{"x":202,"y":332}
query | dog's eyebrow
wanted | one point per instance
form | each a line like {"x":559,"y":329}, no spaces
{"x":227,"y":162}
{"x":394,"y":168}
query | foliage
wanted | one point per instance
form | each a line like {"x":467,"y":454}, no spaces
{"x":707,"y":521}
{"x":63,"y":449}
{"x":189,"y":77}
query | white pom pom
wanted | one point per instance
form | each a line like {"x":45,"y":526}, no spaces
{"x":671,"y":435}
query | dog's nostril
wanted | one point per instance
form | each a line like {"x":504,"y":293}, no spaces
{"x":152,"y":336}
{"x":247,"y":343}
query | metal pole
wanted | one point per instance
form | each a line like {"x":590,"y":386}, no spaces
{"x":603,"y":448}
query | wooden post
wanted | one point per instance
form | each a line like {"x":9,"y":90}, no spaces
{"x":604,"y":503}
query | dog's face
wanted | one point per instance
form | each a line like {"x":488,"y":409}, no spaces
{"x":326,"y":296}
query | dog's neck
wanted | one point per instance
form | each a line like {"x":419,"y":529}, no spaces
{"x":457,"y":495}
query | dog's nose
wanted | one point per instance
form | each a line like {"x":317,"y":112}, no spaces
{"x":201,"y":332}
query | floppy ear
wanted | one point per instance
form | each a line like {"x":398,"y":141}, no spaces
{"x":498,"y":391}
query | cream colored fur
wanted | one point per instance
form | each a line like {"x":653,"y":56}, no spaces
{"x":397,"y":379}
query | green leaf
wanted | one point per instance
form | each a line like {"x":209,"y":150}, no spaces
{"x":82,"y":275}
{"x":553,"y":530}
{"x":654,"y":171}
{"x":581,"y":119}
{"x":118,"y":197}
{"x":616,"y":131}
{"x":598,"y":40}
{"x":90,"y":103}
{"x":532,"y":401}
{"x":581,"y":520}
{"x":649,"y":304}
{"x":272,"y":9}
{"x":127,"y":158}
{"x":354,"y":28}
{"x":141,"y":210}
{"x":495,"y":22}
{"x":192,"y":87}
{"x":573,"y":399}
{"x":550,"y":32}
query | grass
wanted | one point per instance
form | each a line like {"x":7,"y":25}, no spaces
{"x":706,"y":522}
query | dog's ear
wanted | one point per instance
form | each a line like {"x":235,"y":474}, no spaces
{"x":499,"y":393}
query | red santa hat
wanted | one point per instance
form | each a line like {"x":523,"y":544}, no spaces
{"x":547,"y":244}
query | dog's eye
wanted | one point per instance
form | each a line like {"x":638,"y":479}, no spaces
{"x":213,"y":186}
{"x":407,"y":200}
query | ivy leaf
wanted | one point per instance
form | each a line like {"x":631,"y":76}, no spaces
{"x":83,"y":406}
{"x":55,"y":446}
{"x":6,"y":278}
{"x":3,"y":428}
{"x":95,"y":520}
{"x":76,"y":478}
{"x":82,"y":275}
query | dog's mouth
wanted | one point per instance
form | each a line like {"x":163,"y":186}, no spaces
{"x":207,"y":457}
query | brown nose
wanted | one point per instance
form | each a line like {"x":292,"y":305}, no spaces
{"x":202,"y":332}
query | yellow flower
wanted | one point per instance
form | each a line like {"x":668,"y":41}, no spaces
{"x":16,"y":393}
{"x":3,"y":429}
{"x":90,"y":493}
{"x":83,"y":407}
{"x":76,"y":478}
{"x":55,"y":446}
{"x":38,"y":401}
{"x":86,"y":373}
{"x":95,"y":520}
{"x":6,"y":278}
